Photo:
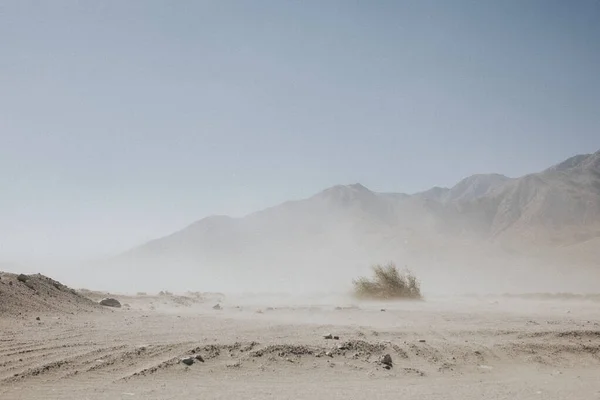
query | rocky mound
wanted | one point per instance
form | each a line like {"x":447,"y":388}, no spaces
{"x":27,"y":294}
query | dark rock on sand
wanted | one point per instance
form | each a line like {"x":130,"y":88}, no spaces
{"x":110,"y":302}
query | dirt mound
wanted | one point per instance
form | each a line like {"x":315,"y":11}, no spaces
{"x":27,"y":294}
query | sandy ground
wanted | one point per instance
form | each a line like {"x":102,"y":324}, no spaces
{"x":269,"y":348}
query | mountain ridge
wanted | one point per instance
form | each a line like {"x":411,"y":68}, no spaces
{"x":480,"y":220}
{"x":466,"y":191}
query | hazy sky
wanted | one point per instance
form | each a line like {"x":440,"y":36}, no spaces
{"x":121,"y":121}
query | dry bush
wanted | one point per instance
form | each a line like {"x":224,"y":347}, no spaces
{"x":388,"y":283}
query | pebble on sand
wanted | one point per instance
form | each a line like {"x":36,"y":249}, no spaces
{"x":110,"y":302}
{"x":187,"y":360}
{"x":386,"y":360}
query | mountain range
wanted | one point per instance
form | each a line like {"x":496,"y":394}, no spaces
{"x":549,"y":218}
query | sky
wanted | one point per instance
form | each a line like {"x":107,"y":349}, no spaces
{"x":123,"y":121}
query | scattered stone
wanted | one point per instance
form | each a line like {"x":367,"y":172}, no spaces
{"x":329,"y":354}
{"x":342,"y":346}
{"x":328,"y":336}
{"x":386,"y":360}
{"x":37,"y":318}
{"x":199,"y":358}
{"x":22,"y":278}
{"x":382,"y":310}
{"x":110,"y":302}
{"x":187,"y":360}
{"x":217,"y":307}
{"x":336,"y":338}
{"x":236,"y":364}
{"x":422,"y":341}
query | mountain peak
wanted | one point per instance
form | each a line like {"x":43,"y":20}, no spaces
{"x":346,"y":194}
{"x":358,"y":186}
{"x":352,"y":188}
{"x":570,"y":163}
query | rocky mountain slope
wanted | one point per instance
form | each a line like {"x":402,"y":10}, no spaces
{"x":481,"y":219}
{"x":21,"y":295}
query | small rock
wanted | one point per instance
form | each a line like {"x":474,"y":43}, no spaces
{"x":187,"y":360}
{"x":22,"y":278}
{"x":110,"y":302}
{"x":336,"y":338}
{"x":382,"y":310}
{"x":199,"y":358}
{"x":342,"y":346}
{"x":236,"y":364}
{"x":386,"y":360}
{"x":422,"y":340}
{"x":9,"y":283}
{"x":217,"y":307}
{"x":37,"y":318}
{"x":328,"y":336}
{"x":329,"y":354}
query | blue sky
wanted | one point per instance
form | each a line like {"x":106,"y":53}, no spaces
{"x":121,"y":121}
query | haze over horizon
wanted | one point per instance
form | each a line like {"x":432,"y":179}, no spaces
{"x":121,"y":122}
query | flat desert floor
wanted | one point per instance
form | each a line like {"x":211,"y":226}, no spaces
{"x":269,"y":348}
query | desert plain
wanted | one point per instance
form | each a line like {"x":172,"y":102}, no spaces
{"x":59,"y":343}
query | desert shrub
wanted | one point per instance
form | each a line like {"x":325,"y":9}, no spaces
{"x":388,"y":283}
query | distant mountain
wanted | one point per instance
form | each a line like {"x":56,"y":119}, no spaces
{"x":468,"y":189}
{"x":482,"y":218}
{"x":558,"y":207}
